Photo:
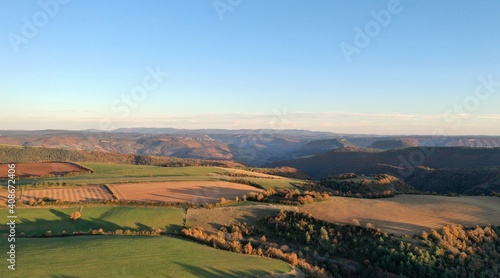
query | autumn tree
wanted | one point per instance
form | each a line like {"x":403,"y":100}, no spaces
{"x":248,"y":248}
{"x":77,"y":214}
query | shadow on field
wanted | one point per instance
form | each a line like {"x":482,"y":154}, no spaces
{"x":211,"y":272}
{"x":216,"y":226}
{"x":40,"y":226}
{"x":173,"y":229}
{"x":142,"y":226}
{"x":59,"y":214}
{"x":248,"y":215}
{"x":62,"y":276}
{"x":397,"y":228}
{"x":206,"y":194}
{"x":169,"y":197}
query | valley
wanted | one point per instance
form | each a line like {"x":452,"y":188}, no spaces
{"x":304,"y":215}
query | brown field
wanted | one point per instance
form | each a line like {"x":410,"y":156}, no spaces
{"x":40,"y":169}
{"x":213,"y":219}
{"x":409,"y":214}
{"x":70,"y":194}
{"x":3,"y":197}
{"x":181,"y":191}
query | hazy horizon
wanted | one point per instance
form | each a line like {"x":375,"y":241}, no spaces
{"x":276,"y":131}
{"x":385,"y":68}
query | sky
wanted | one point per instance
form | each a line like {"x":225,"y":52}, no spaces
{"x":363,"y":67}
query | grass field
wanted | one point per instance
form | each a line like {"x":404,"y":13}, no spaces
{"x":274,"y":183}
{"x":152,"y":183}
{"x":409,"y":214}
{"x":181,"y":191}
{"x":255,"y":174}
{"x":126,"y":256}
{"x":122,"y":173}
{"x":37,"y":221}
{"x":212,"y":219}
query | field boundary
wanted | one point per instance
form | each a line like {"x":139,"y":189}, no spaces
{"x":110,"y":191}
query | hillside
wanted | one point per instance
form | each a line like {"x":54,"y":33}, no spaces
{"x":381,"y":185}
{"x":12,"y":154}
{"x":392,"y":144}
{"x":443,"y":170}
{"x":468,"y":181}
{"x":251,"y":147}
{"x":359,"y":160}
{"x":316,"y":147}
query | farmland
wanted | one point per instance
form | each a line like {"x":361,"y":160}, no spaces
{"x":41,"y":169}
{"x":127,"y":256}
{"x":37,"y":221}
{"x":409,"y":214}
{"x":69,"y":194}
{"x":181,"y":191}
{"x":213,"y":219}
{"x":191,"y":184}
{"x":116,"y":226}
{"x":124,"y":173}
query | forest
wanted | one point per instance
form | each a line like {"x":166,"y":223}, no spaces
{"x":322,"y":249}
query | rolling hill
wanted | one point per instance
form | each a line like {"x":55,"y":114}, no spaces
{"x":442,"y":170}
{"x":251,"y":147}
{"x":392,"y":144}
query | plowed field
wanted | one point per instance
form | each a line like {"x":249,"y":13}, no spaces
{"x":70,"y":194}
{"x":41,"y":169}
{"x":181,"y":191}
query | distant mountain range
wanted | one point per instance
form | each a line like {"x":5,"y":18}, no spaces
{"x":450,"y":164}
{"x":252,"y":147}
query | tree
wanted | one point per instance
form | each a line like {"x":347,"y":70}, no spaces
{"x":248,"y":248}
{"x":77,"y":214}
{"x":293,"y":259}
{"x":323,"y":233}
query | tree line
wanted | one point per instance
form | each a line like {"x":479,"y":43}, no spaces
{"x":10,"y":154}
{"x":323,"y":249}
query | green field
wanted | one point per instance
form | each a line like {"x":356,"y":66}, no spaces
{"x":37,"y":221}
{"x":274,"y":183}
{"x":123,"y":173}
{"x":127,"y":256}
{"x":120,"y":173}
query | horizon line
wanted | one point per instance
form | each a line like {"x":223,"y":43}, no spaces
{"x":277,"y":131}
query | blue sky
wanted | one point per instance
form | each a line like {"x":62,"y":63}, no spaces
{"x":252,"y":64}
